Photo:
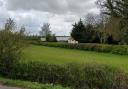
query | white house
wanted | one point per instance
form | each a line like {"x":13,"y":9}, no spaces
{"x":72,"y":41}
{"x":43,"y":39}
{"x":62,"y":38}
{"x":58,"y":38}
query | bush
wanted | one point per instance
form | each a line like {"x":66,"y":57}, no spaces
{"x":114,"y":49}
{"x":89,"y":76}
{"x":11,"y":44}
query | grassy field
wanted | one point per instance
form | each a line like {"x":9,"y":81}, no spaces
{"x":61,"y":56}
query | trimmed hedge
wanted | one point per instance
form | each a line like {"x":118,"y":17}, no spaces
{"x":89,"y":76}
{"x":114,"y":49}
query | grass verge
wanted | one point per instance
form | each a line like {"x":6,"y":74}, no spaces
{"x":28,"y":85}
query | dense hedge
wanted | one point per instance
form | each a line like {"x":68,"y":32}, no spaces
{"x":114,"y":49}
{"x":89,"y":76}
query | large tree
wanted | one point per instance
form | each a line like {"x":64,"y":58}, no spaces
{"x":118,"y":12}
{"x":84,"y":33}
{"x":78,"y":31}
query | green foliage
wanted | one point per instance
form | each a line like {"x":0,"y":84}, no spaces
{"x":115,"y":49}
{"x":124,"y":31}
{"x":51,"y":38}
{"x":54,"y":38}
{"x":11,"y":44}
{"x":28,"y":85}
{"x":78,"y":31}
{"x":32,"y":38}
{"x":45,"y":29}
{"x":89,"y":76}
{"x":84,"y":33}
{"x":45,"y":32}
{"x":119,"y":10}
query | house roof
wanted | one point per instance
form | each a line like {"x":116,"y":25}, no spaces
{"x":59,"y":36}
{"x":62,"y":36}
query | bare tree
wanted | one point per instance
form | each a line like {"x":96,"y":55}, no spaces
{"x":91,"y":19}
{"x":45,"y":30}
{"x":10,"y":24}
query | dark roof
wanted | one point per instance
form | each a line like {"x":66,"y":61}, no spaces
{"x":62,"y":36}
{"x":58,"y":36}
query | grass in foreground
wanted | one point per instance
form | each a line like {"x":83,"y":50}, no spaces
{"x":61,"y":56}
{"x":27,"y":85}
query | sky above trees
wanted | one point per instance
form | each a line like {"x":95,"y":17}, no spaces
{"x":61,"y":14}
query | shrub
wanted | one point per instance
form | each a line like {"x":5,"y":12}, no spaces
{"x":120,"y":50}
{"x":11,"y":44}
{"x":114,"y":49}
{"x":89,"y":76}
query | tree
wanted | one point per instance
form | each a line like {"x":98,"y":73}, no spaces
{"x":11,"y":44}
{"x":51,"y":38}
{"x":54,"y":38}
{"x":91,"y":19}
{"x":118,"y":12}
{"x":10,"y":24}
{"x":45,"y":30}
{"x":22,"y":30}
{"x":101,"y":28}
{"x":78,"y":31}
{"x":115,"y":8}
{"x":84,"y":33}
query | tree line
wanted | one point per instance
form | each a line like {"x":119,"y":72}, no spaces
{"x":110,"y":27}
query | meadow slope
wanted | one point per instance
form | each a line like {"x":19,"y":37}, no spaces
{"x":61,"y":56}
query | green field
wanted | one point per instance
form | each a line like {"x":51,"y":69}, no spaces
{"x":61,"y":56}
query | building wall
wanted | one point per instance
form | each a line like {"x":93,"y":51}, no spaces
{"x":59,"y":38}
{"x":43,"y":39}
{"x":62,"y":38}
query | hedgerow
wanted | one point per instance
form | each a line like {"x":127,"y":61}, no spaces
{"x":76,"y":76}
{"x":114,"y":49}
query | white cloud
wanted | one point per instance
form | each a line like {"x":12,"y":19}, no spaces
{"x":61,"y":14}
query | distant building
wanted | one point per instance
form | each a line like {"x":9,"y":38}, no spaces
{"x":43,"y":39}
{"x":62,"y":38}
{"x":72,"y":41}
{"x":58,"y":38}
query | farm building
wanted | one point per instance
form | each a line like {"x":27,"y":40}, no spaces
{"x":62,"y":38}
{"x":72,"y":41}
{"x":58,"y":38}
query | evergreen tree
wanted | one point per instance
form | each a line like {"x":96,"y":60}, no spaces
{"x":84,"y":33}
{"x":78,"y":32}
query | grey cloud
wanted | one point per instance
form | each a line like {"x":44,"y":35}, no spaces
{"x":61,"y":14}
{"x":1,"y":3}
{"x":53,"y":6}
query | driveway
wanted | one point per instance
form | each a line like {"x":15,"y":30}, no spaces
{"x":5,"y":87}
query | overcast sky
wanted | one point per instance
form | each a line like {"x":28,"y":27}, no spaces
{"x":61,"y":14}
